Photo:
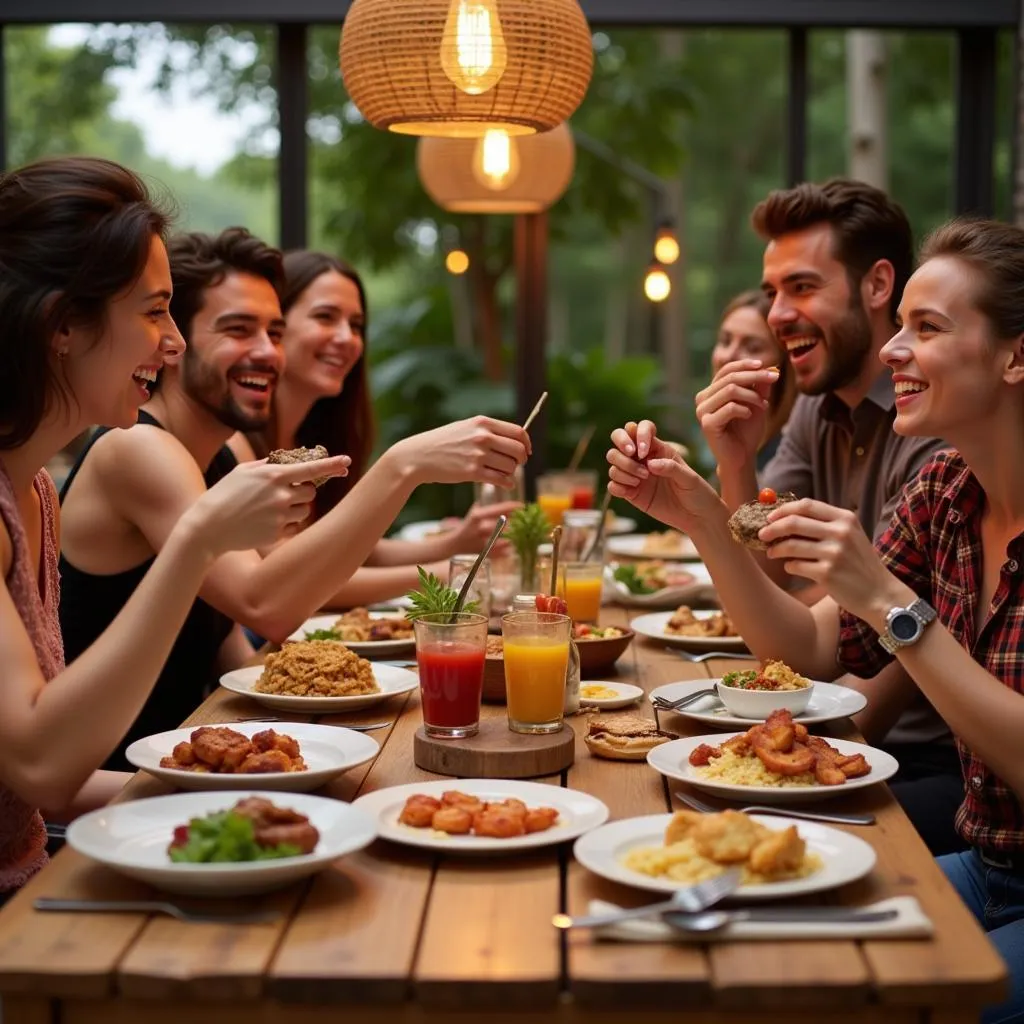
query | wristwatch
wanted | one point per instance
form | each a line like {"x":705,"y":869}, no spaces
{"x":904,"y":626}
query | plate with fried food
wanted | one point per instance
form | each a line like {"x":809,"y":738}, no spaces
{"x":670,"y":545}
{"x":658,"y":584}
{"x":692,"y":629}
{"x":318,"y":677}
{"x":777,"y":856}
{"x":776,"y":761}
{"x":293,"y":757}
{"x":828,"y":702}
{"x":221,"y":844}
{"x":374,"y":634}
{"x":469,"y":816}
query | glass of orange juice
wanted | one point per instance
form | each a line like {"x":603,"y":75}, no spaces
{"x":536,"y":647}
{"x":580,"y":583}
{"x":554,"y":495}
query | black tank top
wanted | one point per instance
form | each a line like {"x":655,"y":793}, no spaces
{"x":89,"y":603}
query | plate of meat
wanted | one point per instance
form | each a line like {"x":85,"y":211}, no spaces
{"x":221,"y":844}
{"x":295,"y":757}
{"x":373,"y":634}
{"x":693,"y":629}
{"x":469,"y":816}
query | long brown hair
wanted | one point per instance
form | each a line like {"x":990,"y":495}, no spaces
{"x":342,"y":423}
{"x":75,"y":232}
{"x":783,"y":395}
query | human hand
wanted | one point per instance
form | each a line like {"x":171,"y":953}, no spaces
{"x":733,"y":409}
{"x":829,"y":545}
{"x":479,"y":448}
{"x":258,"y":504}
{"x":475,"y":530}
{"x":653,"y":476}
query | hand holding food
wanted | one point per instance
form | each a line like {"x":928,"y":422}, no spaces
{"x":829,"y":546}
{"x":290,"y":456}
{"x":746,"y":523}
{"x":257,"y":503}
{"x":650,"y":474}
{"x":733,"y":408}
{"x":479,"y":448}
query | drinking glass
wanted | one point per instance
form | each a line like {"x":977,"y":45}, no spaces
{"x":505,"y":579}
{"x":536,"y":646}
{"x":580,"y":583}
{"x":554,"y":495}
{"x":450,"y":652}
{"x":579,"y":532}
{"x":485,"y":493}
{"x":480,"y":591}
{"x":582,"y":487}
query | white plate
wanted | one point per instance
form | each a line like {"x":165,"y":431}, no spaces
{"x":626,"y":694}
{"x":328,"y":751}
{"x":653,"y":626}
{"x":133,"y":837}
{"x":577,"y":813}
{"x":845,"y":857}
{"x":700,"y":588}
{"x":632,"y":545}
{"x":392,"y":681}
{"x":830,"y":701}
{"x":367,"y":648}
{"x":672,"y":759}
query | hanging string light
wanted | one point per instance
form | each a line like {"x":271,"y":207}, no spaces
{"x":657,"y":286}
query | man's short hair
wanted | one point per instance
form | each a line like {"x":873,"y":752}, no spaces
{"x":200,"y":261}
{"x":867,"y":226}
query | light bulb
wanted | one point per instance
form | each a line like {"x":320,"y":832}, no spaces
{"x":496,"y":160}
{"x":657,"y":286}
{"x":473,"y":51}
{"x":456,"y":262}
{"x":666,"y":247}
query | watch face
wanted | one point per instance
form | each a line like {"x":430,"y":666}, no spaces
{"x":904,"y":627}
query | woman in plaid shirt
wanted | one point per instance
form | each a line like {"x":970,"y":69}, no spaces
{"x":943,"y":590}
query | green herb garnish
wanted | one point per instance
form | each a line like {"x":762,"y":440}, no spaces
{"x":225,"y":837}
{"x":528,"y":528}
{"x":322,"y":634}
{"x":434,"y":597}
{"x":634,"y":581}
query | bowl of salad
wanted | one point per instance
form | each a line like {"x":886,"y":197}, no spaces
{"x":757,"y":692}
{"x":658,"y":584}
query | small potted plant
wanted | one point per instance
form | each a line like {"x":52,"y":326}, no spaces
{"x":528,"y":528}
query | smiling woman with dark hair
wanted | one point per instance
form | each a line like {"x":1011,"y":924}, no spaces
{"x":84,"y":326}
{"x":942,"y":590}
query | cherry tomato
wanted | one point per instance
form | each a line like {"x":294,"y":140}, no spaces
{"x":767,"y":496}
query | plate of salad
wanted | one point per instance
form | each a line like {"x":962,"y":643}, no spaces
{"x":658,"y":584}
{"x":221,"y":844}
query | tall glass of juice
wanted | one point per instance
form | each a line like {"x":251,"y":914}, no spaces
{"x":580,"y":584}
{"x":554,"y":496}
{"x":450,"y":651}
{"x":536,"y":646}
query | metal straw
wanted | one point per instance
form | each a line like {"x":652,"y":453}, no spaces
{"x":594,"y":544}
{"x":464,"y":592}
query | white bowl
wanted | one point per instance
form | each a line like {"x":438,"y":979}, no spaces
{"x":760,"y":704}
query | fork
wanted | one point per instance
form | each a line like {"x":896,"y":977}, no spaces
{"x":154,"y":907}
{"x":683,"y":702}
{"x":692,"y":899}
{"x":696,"y":659}
{"x":835,"y":819}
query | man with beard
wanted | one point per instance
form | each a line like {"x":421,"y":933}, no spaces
{"x":837,"y":259}
{"x":129,"y":487}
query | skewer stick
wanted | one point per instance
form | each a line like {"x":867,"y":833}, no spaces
{"x":536,"y":409}
{"x":581,"y":448}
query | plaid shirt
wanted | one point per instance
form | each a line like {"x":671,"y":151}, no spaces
{"x":933,"y":544}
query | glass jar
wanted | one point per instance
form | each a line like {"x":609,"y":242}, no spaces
{"x":579,"y":531}
{"x":524,"y":603}
{"x":480,"y":591}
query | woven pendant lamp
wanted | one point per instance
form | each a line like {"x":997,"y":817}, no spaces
{"x":454,"y":173}
{"x":454,"y":68}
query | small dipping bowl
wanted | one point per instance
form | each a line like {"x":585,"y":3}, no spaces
{"x":759,"y":704}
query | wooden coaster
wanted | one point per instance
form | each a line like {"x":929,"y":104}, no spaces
{"x":496,"y":752}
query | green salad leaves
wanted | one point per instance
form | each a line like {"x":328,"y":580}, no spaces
{"x":222,"y":837}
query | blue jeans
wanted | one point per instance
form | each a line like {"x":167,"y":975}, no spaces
{"x":996,"y":898}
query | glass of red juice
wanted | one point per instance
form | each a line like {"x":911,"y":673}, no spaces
{"x":582,"y":486}
{"x":450,"y":652}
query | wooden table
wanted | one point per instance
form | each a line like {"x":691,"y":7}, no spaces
{"x":394,"y":934}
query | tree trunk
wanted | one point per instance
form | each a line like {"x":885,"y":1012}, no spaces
{"x":1018,"y":184}
{"x":483,"y":288}
{"x":616,"y":304}
{"x":867,"y":111}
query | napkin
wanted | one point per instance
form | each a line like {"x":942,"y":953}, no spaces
{"x":911,"y":922}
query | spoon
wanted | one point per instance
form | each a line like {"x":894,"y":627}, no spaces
{"x":464,"y":592}
{"x":715,"y":920}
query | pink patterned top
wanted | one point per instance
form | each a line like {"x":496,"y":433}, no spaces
{"x":36,"y":597}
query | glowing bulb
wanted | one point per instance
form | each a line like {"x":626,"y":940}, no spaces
{"x":657,"y":286}
{"x":473,"y":51}
{"x":456,"y":262}
{"x":496,"y":160}
{"x":666,"y":247}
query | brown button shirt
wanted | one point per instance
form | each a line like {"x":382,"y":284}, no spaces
{"x":852,"y":458}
